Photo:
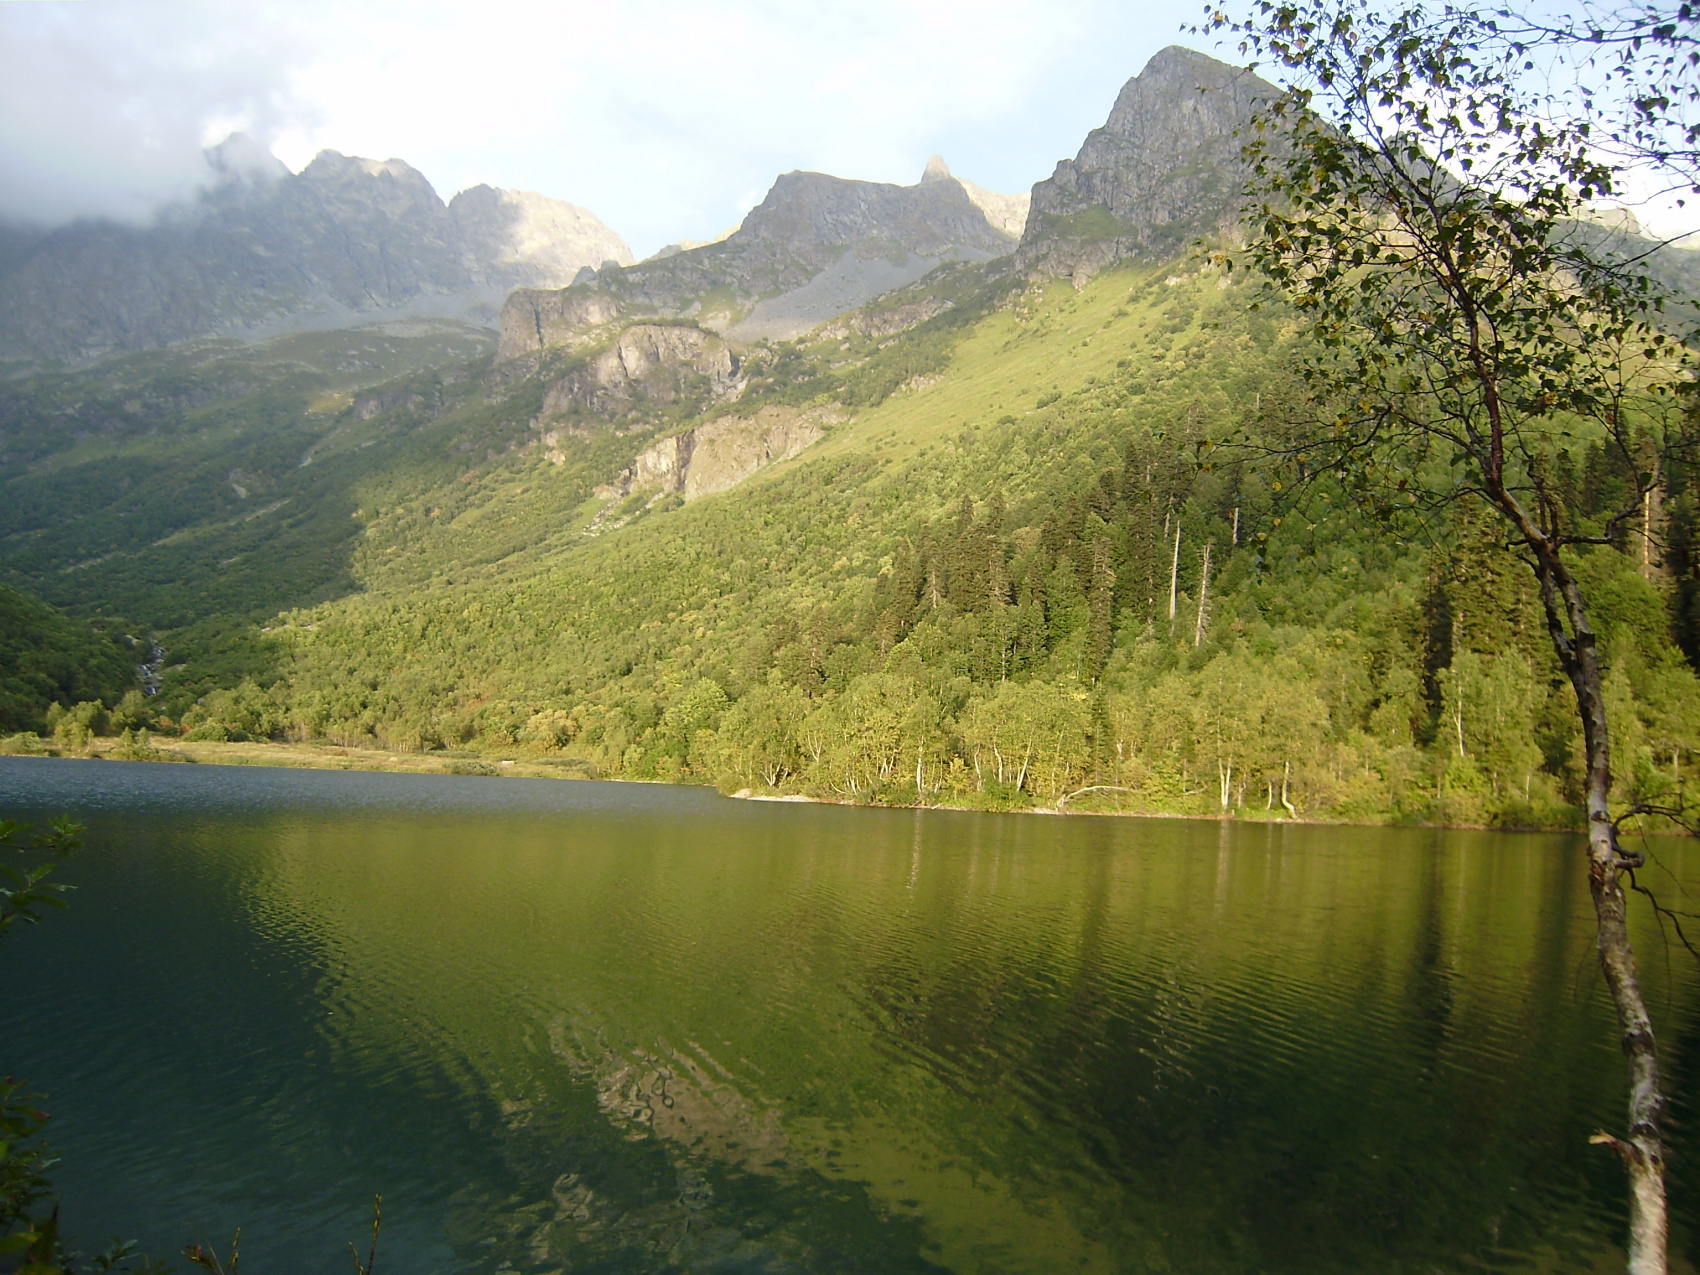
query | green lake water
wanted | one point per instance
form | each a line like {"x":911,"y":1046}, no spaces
{"x":602,"y":1027}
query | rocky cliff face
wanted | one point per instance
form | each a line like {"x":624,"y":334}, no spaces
{"x":722,"y":453}
{"x":264,"y":251}
{"x":518,"y":239}
{"x":726,"y":451}
{"x":648,"y":364}
{"x":807,"y":216}
{"x":1006,"y":212}
{"x":1164,"y":169}
{"x":816,"y":247}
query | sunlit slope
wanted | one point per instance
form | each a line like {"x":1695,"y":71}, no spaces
{"x":1036,"y":396}
{"x":223,"y":480}
{"x":1010,"y":571}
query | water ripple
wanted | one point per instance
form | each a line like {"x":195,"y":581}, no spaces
{"x":617,"y":1027}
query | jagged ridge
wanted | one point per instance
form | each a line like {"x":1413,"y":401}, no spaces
{"x":264,"y":251}
{"x":815,"y":247}
{"x":1164,"y":168}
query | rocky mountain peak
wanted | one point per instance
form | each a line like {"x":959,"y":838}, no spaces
{"x":1164,"y":169}
{"x":263,"y":251}
{"x":241,"y":156}
{"x":519,"y":233}
{"x":391,"y":184}
{"x":936,"y":171}
{"x":811,"y":212}
{"x":815,"y":247}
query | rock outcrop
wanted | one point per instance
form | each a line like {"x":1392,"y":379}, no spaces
{"x":534,"y":320}
{"x":264,"y":251}
{"x":726,"y":451}
{"x":648,"y":363}
{"x":722,"y":453}
{"x":886,"y":319}
{"x":816,"y":247}
{"x":1164,"y":169}
{"x":1007,"y":212}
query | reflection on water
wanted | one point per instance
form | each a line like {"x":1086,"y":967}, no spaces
{"x":577,"y":1026}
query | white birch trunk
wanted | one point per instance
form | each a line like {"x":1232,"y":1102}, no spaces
{"x":1175,"y":574}
{"x":1203,"y":593}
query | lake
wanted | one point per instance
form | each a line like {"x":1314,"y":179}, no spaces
{"x":617,"y":1027}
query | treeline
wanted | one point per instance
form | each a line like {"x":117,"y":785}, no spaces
{"x":1048,"y":664}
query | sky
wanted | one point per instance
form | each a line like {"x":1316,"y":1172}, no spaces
{"x":668,"y":119}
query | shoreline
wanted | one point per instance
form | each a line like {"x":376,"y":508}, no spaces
{"x":337,"y":757}
{"x":325,"y":757}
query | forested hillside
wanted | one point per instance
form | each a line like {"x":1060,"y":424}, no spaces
{"x":48,"y":660}
{"x":143,"y":486}
{"x":970,"y":592}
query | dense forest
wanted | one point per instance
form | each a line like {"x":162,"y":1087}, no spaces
{"x":49,"y":660}
{"x":1016,"y":575}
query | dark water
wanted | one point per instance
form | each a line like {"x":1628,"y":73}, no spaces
{"x":594,"y":1027}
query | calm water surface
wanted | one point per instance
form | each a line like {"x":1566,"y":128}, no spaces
{"x":596,"y":1027}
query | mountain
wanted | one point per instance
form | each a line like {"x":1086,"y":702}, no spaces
{"x":1007,"y":212}
{"x":264,"y":251}
{"x":217,"y":478}
{"x":1164,"y":169}
{"x":814,"y":248}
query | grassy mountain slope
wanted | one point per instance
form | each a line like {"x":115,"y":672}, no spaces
{"x":141,"y":486}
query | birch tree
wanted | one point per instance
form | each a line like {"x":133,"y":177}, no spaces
{"x":1418,"y":197}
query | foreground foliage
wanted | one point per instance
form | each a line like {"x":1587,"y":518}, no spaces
{"x":1421,"y":206}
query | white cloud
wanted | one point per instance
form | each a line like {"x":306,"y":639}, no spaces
{"x":103,"y":105}
{"x":660,"y":115}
